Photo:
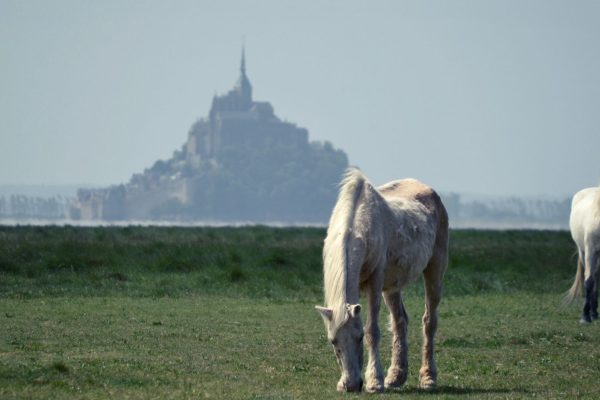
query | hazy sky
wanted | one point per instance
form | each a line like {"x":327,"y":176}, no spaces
{"x":489,"y":97}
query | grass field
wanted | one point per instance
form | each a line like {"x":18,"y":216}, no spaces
{"x":228,"y":313}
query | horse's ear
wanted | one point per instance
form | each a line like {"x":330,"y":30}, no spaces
{"x":353,"y":309}
{"x":326,"y":313}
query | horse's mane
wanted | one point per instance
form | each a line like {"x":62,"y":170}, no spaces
{"x":335,"y":250}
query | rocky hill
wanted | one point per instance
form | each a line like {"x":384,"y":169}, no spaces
{"x":240,"y":163}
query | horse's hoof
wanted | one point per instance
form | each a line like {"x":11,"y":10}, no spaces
{"x":427,"y":384}
{"x":585,"y":321}
{"x":375,"y":388}
{"x":343,"y":386}
{"x":427,"y":380}
{"x":395,"y":379}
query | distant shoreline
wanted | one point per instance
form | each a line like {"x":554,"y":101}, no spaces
{"x":199,"y":224}
{"x":479,"y":225}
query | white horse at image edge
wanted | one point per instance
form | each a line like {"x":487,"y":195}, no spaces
{"x":585,"y":230}
{"x":380,"y":240}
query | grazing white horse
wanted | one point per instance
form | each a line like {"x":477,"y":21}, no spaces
{"x":585,"y":230}
{"x":380,"y":240}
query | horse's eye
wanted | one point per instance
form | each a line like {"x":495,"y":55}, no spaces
{"x":334,"y":342}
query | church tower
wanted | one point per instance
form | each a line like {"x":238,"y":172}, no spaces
{"x":243,"y":86}
{"x":238,"y":99}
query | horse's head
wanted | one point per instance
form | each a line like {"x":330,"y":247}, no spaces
{"x":347,"y":341}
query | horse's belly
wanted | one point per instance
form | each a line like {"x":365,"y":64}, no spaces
{"x":399,"y":275}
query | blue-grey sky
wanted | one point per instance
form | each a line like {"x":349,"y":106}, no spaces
{"x":489,"y":97}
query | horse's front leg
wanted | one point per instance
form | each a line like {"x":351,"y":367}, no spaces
{"x":398,"y":371}
{"x":374,"y":371}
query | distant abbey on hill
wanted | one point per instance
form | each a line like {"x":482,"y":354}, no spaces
{"x":241,"y":163}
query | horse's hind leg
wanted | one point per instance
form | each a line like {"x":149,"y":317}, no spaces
{"x":398,"y":371}
{"x":433,"y":291}
{"x":586,"y":315}
{"x":590,"y":306}
{"x":594,"y":302}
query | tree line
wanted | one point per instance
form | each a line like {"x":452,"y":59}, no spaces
{"x":509,"y":210}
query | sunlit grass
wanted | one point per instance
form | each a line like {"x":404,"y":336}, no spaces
{"x":489,"y":346}
{"x":228,"y":313}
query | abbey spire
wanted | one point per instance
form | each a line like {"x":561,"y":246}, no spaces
{"x":243,"y":63}
{"x":243,"y":86}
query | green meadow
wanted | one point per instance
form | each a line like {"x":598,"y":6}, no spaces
{"x":227,"y":313}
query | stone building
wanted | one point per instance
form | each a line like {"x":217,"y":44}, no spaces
{"x":235,"y":119}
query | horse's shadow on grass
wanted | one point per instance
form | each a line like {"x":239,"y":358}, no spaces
{"x":456,"y":391}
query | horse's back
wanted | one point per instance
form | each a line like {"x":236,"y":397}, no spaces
{"x":412,"y":190}
{"x":584,"y":220}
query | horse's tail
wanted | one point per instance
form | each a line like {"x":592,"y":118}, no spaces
{"x":577,"y":283}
